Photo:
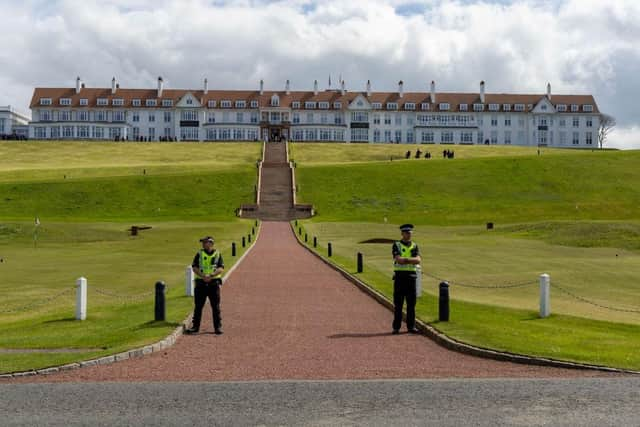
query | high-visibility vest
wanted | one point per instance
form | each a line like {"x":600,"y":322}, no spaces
{"x":405,"y":252}
{"x":208,"y":263}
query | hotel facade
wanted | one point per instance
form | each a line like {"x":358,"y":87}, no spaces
{"x":13,"y":123}
{"x":331,"y":115}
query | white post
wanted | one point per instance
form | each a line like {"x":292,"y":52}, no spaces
{"x":81,"y":298}
{"x":189,"y":281}
{"x":418,"y":281}
{"x":545,"y":308}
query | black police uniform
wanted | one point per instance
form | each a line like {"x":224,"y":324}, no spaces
{"x":205,"y":290}
{"x":404,"y":288}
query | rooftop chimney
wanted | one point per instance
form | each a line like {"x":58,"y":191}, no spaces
{"x":400,"y":89}
{"x":369,"y":88}
{"x":113,"y":86}
{"x":78,"y":84}
{"x":287,"y":88}
{"x":342,"y":89}
{"x":433,"y":92}
{"x":549,"y":91}
{"x":482,"y":91}
{"x":160,"y":86}
{"x":315,"y":87}
{"x":206,"y":86}
{"x":261,"y":87}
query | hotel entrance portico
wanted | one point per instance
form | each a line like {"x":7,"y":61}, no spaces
{"x":275,"y":125}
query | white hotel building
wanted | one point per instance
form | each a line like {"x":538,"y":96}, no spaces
{"x":12,"y":122}
{"x":330,"y":115}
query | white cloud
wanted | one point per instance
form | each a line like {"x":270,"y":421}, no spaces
{"x":580,"y":46}
{"x":624,"y":138}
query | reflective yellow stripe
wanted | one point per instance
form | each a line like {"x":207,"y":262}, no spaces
{"x":405,"y":252}
{"x":208,"y":263}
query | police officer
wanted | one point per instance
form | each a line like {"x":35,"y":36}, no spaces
{"x":406,"y":257}
{"x":208,"y":266}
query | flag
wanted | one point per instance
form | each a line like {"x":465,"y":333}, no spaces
{"x":329,"y":81}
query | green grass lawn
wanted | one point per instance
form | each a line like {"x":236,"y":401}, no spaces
{"x":187,"y":191}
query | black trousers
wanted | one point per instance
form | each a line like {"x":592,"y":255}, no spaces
{"x":203,"y":291}
{"x":404,"y":288}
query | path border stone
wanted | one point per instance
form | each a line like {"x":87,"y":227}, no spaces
{"x":161,"y":345}
{"x":453,"y":344}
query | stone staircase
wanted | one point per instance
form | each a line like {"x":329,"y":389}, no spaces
{"x":276,"y":199}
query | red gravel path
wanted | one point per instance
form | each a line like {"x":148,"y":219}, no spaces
{"x":286,"y":315}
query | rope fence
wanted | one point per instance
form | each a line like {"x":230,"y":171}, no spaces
{"x":37,"y":304}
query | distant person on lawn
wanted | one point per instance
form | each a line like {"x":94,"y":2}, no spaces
{"x":406,"y":258}
{"x":208,"y":266}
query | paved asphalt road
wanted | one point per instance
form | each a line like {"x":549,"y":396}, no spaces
{"x":478,"y":402}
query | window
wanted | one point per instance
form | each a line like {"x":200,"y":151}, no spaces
{"x":543,"y":107}
{"x":135,"y":117}
{"x":152,"y":117}
{"x":518,"y":107}
{"x":480,"y":121}
{"x":309,"y":105}
{"x":325,"y":134}
{"x":275,"y":101}
{"x":561,"y":108}
{"x":225,"y":104}
{"x":295,"y":104}
{"x":152,"y":134}
{"x":45,"y":101}
{"x":446,"y":136}
{"x":338,"y":119}
{"x":323,"y":119}
{"x":65,"y":116}
{"x":507,"y":137}
{"x":84,"y":102}
{"x":466,"y":137}
{"x":103,"y":101}
{"x":239,"y":117}
{"x":464,"y":107}
{"x":254,"y":117}
{"x":189,"y":115}
{"x":562,"y":123}
{"x":588,"y":138}
{"x":494,"y":107}
{"x":117,"y":102}
{"x":118,"y":116}
{"x":587,"y":108}
{"x":150,"y":103}
{"x":359,"y":135}
{"x":409,"y":106}
{"x":55,"y":132}
{"x":65,"y":101}
{"x":589,"y":122}
{"x":189,"y":101}
{"x":425,"y":106}
{"x":376,"y":105}
{"x":67,"y":131}
{"x":135,"y":102}
{"x":114,"y":133}
{"x":189,"y":134}
{"x":478,"y":107}
{"x":211,"y":118}
{"x":387,"y":136}
{"x":507,"y":121}
{"x":98,"y":132}
{"x":83,"y":131}
{"x":576,"y":138}
{"x":241,"y":104}
{"x":296,"y":118}
{"x":211,"y":103}
{"x":444,"y":106}
{"x":83,"y":116}
{"x":136,"y":132}
{"x":167,"y":132}
{"x":45,"y":116}
{"x":167,"y":116}
{"x":167,"y":103}
{"x":574,"y":108}
{"x":410,"y":138}
{"x":254,"y":104}
{"x":376,"y":135}
{"x":494,"y":121}
{"x":101,"y":116}
{"x":506,"y":107}
{"x":494,"y":137}
{"x":359,"y":116}
{"x":387,"y":119}
{"x":398,"y":136}
{"x":323,"y":105}
{"x":337,"y":105}
{"x":576,"y":122}
{"x":376,"y":119}
{"x":427,"y":136}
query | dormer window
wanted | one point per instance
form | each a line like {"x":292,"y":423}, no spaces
{"x":211,"y":103}
{"x":84,"y":102}
{"x":103,"y":101}
{"x":392,"y":105}
{"x":376,"y":105}
{"x":275,"y":101}
{"x":424,"y":106}
{"x":587,"y":108}
{"x":409,"y":106}
{"x":167,"y":103}
{"x":225,"y":104}
{"x":574,"y":108}
{"x":518,"y":107}
{"x":323,"y":105}
{"x":494,"y":107}
{"x":151,"y":103}
{"x":135,"y":102}
{"x":561,"y":108}
{"x":444,"y":106}
{"x":65,"y":101}
{"x":241,"y":104}
{"x":295,"y":105}
{"x":506,"y":107}
{"x":118,"y":102}
{"x":254,"y":104}
{"x":309,"y":105}
{"x":478,"y":107}
{"x":337,"y":105}
{"x":45,"y":101}
{"x":464,"y":107}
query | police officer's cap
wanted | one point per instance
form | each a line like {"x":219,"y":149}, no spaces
{"x":406,"y":227}
{"x":207,"y":239}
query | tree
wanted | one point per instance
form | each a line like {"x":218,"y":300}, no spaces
{"x":607,"y":123}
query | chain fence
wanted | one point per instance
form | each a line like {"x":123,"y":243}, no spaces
{"x":464,"y":285}
{"x":593,"y":303}
{"x":122,"y":297}
{"x":37,"y":304}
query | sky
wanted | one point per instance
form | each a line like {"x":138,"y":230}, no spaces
{"x":579,"y":46}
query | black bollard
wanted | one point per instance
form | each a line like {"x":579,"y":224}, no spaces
{"x":296,"y":222}
{"x":315,"y":242}
{"x":256,"y":222}
{"x":444,"y":302}
{"x":329,"y":249}
{"x":160,"y":307}
{"x":305,"y":237}
{"x":249,"y":237}
{"x":299,"y":231}
{"x":244,"y":243}
{"x":253,"y":231}
{"x":360,"y":269}
{"x":233,"y":249}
